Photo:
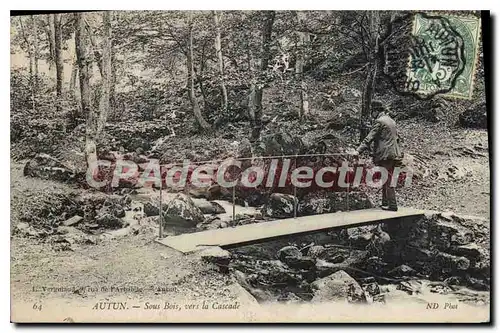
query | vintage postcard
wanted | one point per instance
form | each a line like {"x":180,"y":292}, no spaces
{"x":271,"y":166}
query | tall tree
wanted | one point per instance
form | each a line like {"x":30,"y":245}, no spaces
{"x":256,"y":89}
{"x":74,"y":74}
{"x":191,"y":77}
{"x":36,"y":48}
{"x":30,"y":49}
{"x":220,"y":59}
{"x":112,"y":86}
{"x":51,"y":31}
{"x":95,"y":47}
{"x":106,"y":72}
{"x":59,"y":59}
{"x":303,"y":41}
{"x":84,"y":74}
{"x":372,"y":54}
{"x":73,"y":120}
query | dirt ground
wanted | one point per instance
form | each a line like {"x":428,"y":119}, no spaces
{"x":440,"y":147}
{"x":137,"y":262}
{"x":134,"y":261}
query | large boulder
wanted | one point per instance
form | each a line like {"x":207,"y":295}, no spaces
{"x":181,"y":211}
{"x":402,"y":271}
{"x":439,"y":233}
{"x":217,"y":256}
{"x":109,"y":221}
{"x":334,"y":259}
{"x":107,"y":212}
{"x":214,"y":192}
{"x":449,"y":263}
{"x":315,"y":251}
{"x":338,"y":286}
{"x":26,"y":230}
{"x":211,"y":223}
{"x":475,"y":117}
{"x":292,"y":256}
{"x":479,"y":256}
{"x":280,"y":205}
{"x":301,"y":263}
{"x":287,"y":252}
{"x":249,"y":196}
{"x":209,"y":207}
{"x":151,"y":208}
{"x":47,"y":167}
{"x":370,"y":286}
{"x":73,"y":235}
{"x":360,"y":237}
{"x":113,"y":207}
{"x":440,"y":246}
{"x":325,"y":268}
{"x":331,"y":202}
{"x":278,"y":144}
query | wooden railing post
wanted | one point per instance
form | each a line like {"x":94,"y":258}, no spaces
{"x":234,"y":203}
{"x":161,"y":209}
{"x":295,"y":199}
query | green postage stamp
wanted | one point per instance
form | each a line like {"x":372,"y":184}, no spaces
{"x":443,"y":55}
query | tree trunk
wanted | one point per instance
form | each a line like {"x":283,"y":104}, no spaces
{"x":72,"y":89}
{"x":95,"y":48}
{"x":303,"y":42}
{"x":252,"y":102}
{"x":218,"y":51}
{"x":83,"y":66}
{"x":34,"y":33}
{"x":74,"y":74}
{"x":191,"y":92}
{"x":106,"y":72}
{"x":199,"y":77}
{"x":29,"y":45}
{"x":112,"y":87}
{"x":267,"y":30}
{"x":52,"y":39}
{"x":367,"y":99}
{"x":59,"y":60}
{"x":35,"y":49}
{"x":251,"y":70}
{"x":371,"y":74}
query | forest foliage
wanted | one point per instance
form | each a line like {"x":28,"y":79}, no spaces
{"x":201,"y":71}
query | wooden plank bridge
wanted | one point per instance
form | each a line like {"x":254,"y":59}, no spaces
{"x":265,"y":231}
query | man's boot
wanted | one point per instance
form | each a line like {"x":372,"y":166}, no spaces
{"x":385,"y":202}
{"x":391,"y":200}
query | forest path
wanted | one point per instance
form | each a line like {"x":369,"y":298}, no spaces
{"x":146,"y":269}
{"x":132,"y":260}
{"x":441,"y":148}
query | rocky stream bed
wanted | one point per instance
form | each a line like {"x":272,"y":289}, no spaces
{"x":437,"y":255}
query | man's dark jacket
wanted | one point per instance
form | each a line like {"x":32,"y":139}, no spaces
{"x":385,"y":138}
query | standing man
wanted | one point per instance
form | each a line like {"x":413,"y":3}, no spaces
{"x":386,"y":150}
